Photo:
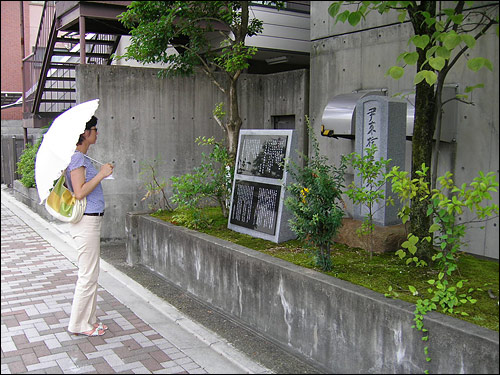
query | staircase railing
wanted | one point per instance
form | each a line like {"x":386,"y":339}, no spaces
{"x":33,"y":64}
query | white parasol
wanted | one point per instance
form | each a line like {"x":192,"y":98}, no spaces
{"x":59,"y":144}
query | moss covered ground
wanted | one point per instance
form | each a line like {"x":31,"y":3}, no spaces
{"x":378,"y":273}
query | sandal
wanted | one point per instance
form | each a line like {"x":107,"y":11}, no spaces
{"x":95,"y":332}
{"x":101,"y":326}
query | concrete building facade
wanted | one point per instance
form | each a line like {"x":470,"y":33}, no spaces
{"x":346,"y":60}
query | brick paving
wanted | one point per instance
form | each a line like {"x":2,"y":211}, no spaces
{"x":36,"y":295}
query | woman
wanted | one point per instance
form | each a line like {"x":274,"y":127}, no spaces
{"x":84,"y":180}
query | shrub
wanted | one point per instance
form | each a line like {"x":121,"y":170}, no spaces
{"x":210,"y":182}
{"x":445,"y":234}
{"x":315,"y":202}
{"x":26,"y":164}
{"x":155,"y":186}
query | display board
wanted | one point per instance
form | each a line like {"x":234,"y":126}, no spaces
{"x":259,"y":186}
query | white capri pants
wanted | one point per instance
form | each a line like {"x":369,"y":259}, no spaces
{"x":87,"y":236}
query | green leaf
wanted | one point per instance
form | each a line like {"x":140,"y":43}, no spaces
{"x":396,"y":72}
{"x":413,"y":240}
{"x":443,"y":52}
{"x":401,"y":254}
{"x":430,"y":77}
{"x":437,"y":62}
{"x":469,"y":40}
{"x":342,"y":17}
{"x":354,"y":18}
{"x":434,"y":227}
{"x":477,"y":63}
{"x":411,"y":58}
{"x":451,"y":40}
{"x":420,"y":41}
{"x":334,"y":8}
{"x":457,"y":18}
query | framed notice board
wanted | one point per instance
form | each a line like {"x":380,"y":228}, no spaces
{"x":259,"y":186}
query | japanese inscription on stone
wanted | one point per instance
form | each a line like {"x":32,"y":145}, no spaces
{"x":380,"y":121}
{"x":372,"y":127}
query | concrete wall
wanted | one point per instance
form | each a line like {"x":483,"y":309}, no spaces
{"x":345,"y":59}
{"x":29,"y":196}
{"x":142,"y":116}
{"x":340,"y":327}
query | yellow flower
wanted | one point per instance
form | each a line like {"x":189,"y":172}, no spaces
{"x":304,"y":192}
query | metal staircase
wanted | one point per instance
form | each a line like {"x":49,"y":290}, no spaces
{"x":49,"y":72}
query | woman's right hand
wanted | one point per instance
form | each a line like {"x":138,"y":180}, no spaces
{"x":106,"y":169}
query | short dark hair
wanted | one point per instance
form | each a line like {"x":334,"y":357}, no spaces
{"x":92,"y":122}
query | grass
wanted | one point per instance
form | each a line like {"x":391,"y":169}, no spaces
{"x":379,"y":273}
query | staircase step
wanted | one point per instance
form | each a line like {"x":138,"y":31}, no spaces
{"x":59,"y":89}
{"x":77,"y":54}
{"x":87,"y":41}
{"x":58,"y":101}
{"x":72,"y":79}
{"x":62,"y":66}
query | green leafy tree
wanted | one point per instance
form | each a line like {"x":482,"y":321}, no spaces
{"x":370,"y":192}
{"x":440,"y":40}
{"x":315,"y":201}
{"x":205,"y":34}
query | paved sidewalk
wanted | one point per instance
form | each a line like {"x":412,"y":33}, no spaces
{"x":146,"y":335}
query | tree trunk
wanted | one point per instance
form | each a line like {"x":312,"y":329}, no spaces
{"x":234,"y":122}
{"x":423,"y":131}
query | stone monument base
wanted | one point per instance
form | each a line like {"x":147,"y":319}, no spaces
{"x":386,"y":238}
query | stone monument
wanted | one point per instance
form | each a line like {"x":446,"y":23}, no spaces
{"x":259,"y":185}
{"x":381,"y":121}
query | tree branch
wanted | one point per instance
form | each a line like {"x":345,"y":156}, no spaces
{"x":219,"y":121}
{"x":462,"y":51}
{"x":205,"y":67}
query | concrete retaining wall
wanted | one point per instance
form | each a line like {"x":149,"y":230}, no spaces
{"x":29,"y":196}
{"x":338,"y":326}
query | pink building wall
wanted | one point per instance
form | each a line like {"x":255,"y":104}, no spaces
{"x":11,"y":46}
